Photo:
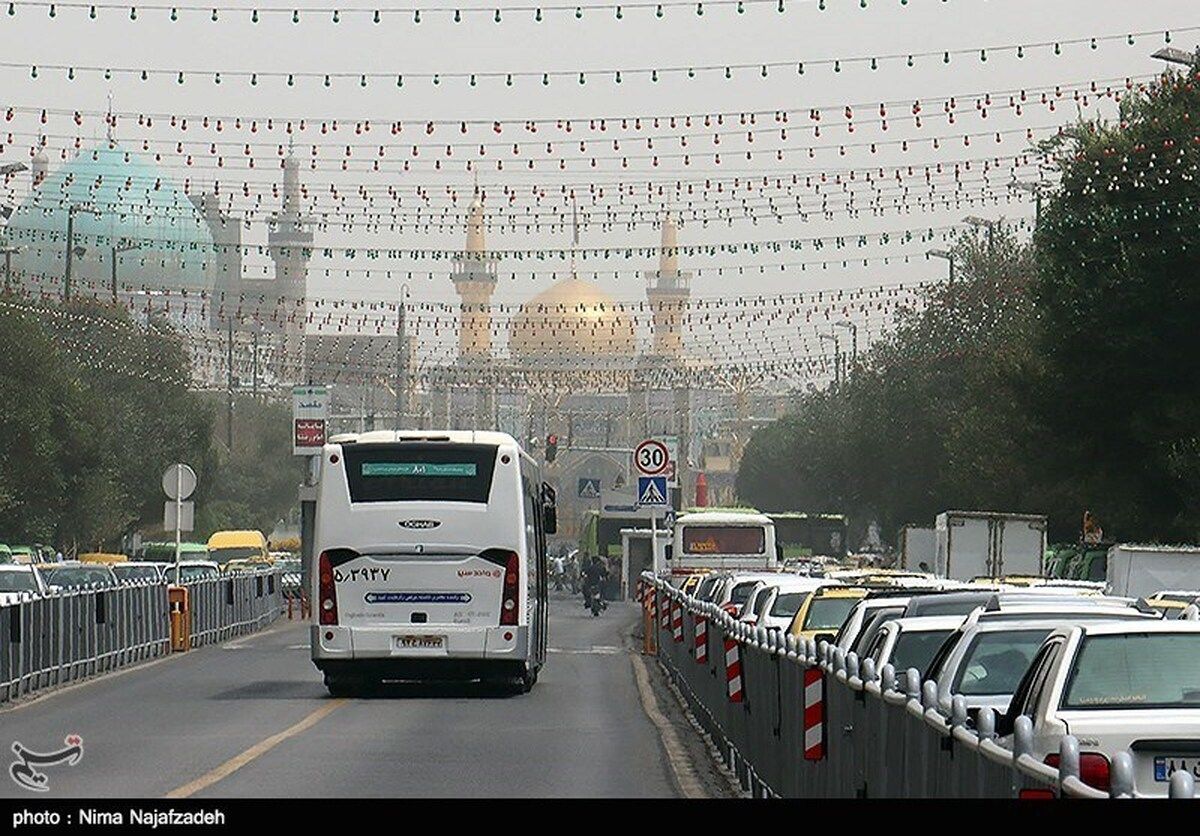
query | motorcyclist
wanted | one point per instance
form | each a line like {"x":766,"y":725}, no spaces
{"x":594,"y":575}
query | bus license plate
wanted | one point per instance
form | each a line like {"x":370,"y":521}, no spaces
{"x":1164,"y":765}
{"x":423,"y":642}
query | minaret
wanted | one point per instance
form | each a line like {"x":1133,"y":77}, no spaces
{"x":474,"y":279}
{"x":290,"y":244}
{"x":668,"y":290}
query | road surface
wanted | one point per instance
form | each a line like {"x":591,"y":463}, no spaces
{"x":251,"y":718}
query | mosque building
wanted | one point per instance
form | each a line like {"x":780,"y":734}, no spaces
{"x":571,"y":361}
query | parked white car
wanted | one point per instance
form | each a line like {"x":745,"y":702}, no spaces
{"x":780,"y":600}
{"x":1116,"y":686}
{"x":141,"y":571}
{"x":18,"y":580}
{"x":985,"y":658}
{"x":911,"y":642}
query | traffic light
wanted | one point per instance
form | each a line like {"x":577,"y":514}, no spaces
{"x":551,"y":447}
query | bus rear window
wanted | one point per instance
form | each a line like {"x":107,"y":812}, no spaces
{"x":417,"y":472}
{"x":723,"y":539}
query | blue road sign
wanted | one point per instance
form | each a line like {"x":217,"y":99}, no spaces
{"x":669,"y":519}
{"x":589,"y":488}
{"x":652,"y":491}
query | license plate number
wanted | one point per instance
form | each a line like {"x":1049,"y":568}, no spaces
{"x":425,"y":642}
{"x":1164,"y":765}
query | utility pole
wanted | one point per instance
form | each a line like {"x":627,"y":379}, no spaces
{"x":8,"y":254}
{"x":401,"y":359}
{"x":229,"y":385}
{"x":254,"y":378}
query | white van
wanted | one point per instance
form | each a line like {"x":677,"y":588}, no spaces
{"x":431,"y":559}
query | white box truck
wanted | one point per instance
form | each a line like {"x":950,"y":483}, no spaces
{"x":1139,"y":571}
{"x":972,"y":544}
{"x":916,"y":545}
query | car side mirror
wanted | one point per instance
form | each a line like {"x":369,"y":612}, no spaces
{"x":824,"y":637}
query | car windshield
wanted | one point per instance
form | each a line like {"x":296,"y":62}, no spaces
{"x":1136,"y":670}
{"x":828,"y":613}
{"x":187,"y":574}
{"x":995,"y":662}
{"x":17,"y":582}
{"x":234,"y":553}
{"x":787,"y":604}
{"x":79,"y":576}
{"x":136,"y":573}
{"x":915,"y":649}
{"x":741,"y":592}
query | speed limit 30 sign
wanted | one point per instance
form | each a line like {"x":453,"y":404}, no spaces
{"x":651,"y":458}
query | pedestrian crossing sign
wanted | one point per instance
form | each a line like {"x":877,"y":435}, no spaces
{"x":589,"y":488}
{"x":652,"y":491}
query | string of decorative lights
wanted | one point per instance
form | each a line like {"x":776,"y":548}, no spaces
{"x":728,"y":71}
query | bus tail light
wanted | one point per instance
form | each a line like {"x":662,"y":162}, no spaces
{"x":326,"y":590}
{"x":511,"y":594}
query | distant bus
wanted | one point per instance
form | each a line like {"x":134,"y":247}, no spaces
{"x":431,"y":560}
{"x":708,"y":540}
{"x":806,"y":535}
{"x":224,"y":546}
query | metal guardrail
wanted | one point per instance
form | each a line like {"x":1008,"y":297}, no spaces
{"x":233,"y":605}
{"x":47,"y":641}
{"x":798,"y":721}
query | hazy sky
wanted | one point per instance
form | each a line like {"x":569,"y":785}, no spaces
{"x":598,"y":41}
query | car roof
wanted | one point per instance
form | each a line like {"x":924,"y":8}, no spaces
{"x":1050,"y":620}
{"x":16,"y":567}
{"x":1108,"y":628}
{"x":924,"y":623}
{"x":840,"y":591}
{"x":208,"y":563}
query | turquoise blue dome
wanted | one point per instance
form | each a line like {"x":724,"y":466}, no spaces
{"x":137,"y":207}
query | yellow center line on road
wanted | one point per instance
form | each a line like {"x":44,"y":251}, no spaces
{"x":256,"y":751}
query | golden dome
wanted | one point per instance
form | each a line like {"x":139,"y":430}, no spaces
{"x":573,"y":319}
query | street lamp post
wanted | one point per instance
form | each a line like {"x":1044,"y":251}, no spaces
{"x":71,"y":212}
{"x":845,"y":323}
{"x":837,"y":359}
{"x":117,"y":248}
{"x":990,"y":226}
{"x":1037,"y":190}
{"x":1177,"y":56}
{"x":948,"y":256}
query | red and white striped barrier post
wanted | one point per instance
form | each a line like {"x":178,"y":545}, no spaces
{"x":814,"y":714}
{"x":733,"y":669}
{"x":701,"y":635}
{"x":664,"y":609}
{"x":677,"y":621}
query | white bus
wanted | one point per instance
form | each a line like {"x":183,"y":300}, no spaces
{"x":430,"y":560}
{"x":704,"y":541}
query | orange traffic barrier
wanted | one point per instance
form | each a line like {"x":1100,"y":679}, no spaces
{"x":181,"y":618}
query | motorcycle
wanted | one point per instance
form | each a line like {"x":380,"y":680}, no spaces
{"x":593,"y":601}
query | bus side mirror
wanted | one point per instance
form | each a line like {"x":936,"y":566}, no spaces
{"x":668,"y":550}
{"x":779,"y":552}
{"x":549,"y":509}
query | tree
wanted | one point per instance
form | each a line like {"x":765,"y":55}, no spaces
{"x":1119,"y":302}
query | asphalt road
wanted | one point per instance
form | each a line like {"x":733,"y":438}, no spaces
{"x":251,"y":718}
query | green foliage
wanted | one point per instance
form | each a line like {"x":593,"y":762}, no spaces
{"x":1052,"y":378}
{"x":96,"y":406}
